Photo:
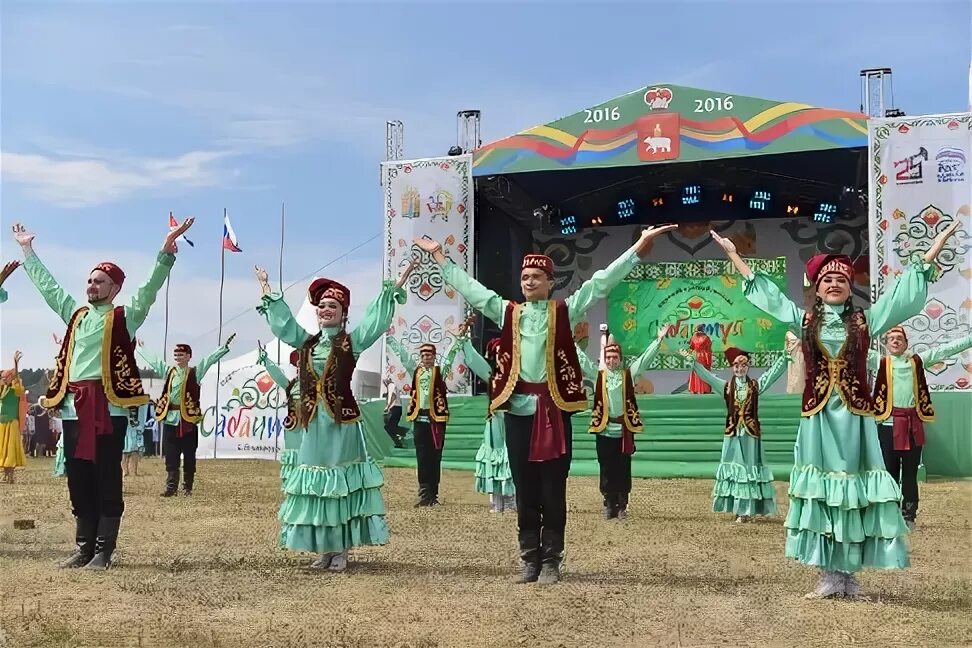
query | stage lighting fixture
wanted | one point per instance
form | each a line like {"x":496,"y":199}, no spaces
{"x":692,"y":195}
{"x":792,"y":210}
{"x":626,"y":209}
{"x":727,"y":197}
{"x":760,"y":200}
{"x":657,"y":201}
{"x":826,"y":212}
{"x":596,"y":220}
{"x":568,"y":225}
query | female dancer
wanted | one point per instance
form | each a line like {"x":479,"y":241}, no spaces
{"x":134,"y":439}
{"x":743,"y":483}
{"x":332,"y":499}
{"x":11,"y":445}
{"x":844,"y":513}
{"x":292,"y":433}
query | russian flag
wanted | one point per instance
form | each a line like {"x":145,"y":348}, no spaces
{"x":174,"y":224}
{"x":229,"y":236}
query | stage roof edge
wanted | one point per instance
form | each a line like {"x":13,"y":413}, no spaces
{"x":670,"y":123}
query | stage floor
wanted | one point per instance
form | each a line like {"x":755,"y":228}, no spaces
{"x":683,"y":435}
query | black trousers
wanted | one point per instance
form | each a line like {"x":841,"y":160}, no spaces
{"x":428,"y":460}
{"x":903,"y":466}
{"x":615,"y":470}
{"x":392,"y":419}
{"x":95,"y":487}
{"x":174,"y":448}
{"x":541,"y":489}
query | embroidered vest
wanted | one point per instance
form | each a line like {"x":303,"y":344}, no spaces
{"x":438,"y":403}
{"x":564,"y":377}
{"x":746,"y":411}
{"x":600,"y":414}
{"x":290,"y":422}
{"x":333,"y":386}
{"x":119,"y":373}
{"x":189,"y":408}
{"x":884,"y":390}
{"x":847,"y":375}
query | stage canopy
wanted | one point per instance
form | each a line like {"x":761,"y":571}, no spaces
{"x":670,"y":123}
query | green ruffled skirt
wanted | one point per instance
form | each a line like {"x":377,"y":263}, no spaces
{"x":288,"y":456}
{"x":844,"y":506}
{"x":493,"y":476}
{"x":332,"y":495}
{"x":744,"y":483}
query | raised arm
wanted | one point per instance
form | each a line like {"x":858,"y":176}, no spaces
{"x":60,"y":302}
{"x":138,"y":308}
{"x":213,"y":358}
{"x":947,"y":350}
{"x":714,"y":381}
{"x":273,"y":369}
{"x":407,"y":360}
{"x":378,"y":316}
{"x":904,"y":298}
{"x":476,"y":362}
{"x":478,"y":296}
{"x":156,"y":363}
{"x":588,"y":367}
{"x":603,"y":281}
{"x":641,"y":362}
{"x":773,"y":373}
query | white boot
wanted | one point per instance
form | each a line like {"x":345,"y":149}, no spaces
{"x":831,"y":584}
{"x":323,"y":562}
{"x":339,"y":562}
{"x":495,"y":503}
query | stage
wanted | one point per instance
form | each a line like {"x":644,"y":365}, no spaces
{"x":683,"y":436}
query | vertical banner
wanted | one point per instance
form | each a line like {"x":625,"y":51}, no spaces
{"x":919,"y":185}
{"x":431,"y":198}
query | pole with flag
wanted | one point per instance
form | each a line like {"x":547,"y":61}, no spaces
{"x":230,"y":243}
{"x":276,"y":438}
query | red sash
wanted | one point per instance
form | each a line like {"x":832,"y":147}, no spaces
{"x":906,"y":423}
{"x":627,"y":438}
{"x":547,"y":440}
{"x":94,"y":418}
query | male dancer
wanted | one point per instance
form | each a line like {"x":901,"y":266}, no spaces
{"x":539,"y":381}
{"x":902,"y":404}
{"x":179,"y":411}
{"x":95,"y":380}
{"x":5,"y":272}
{"x":429,"y":413}
{"x":615,"y":418}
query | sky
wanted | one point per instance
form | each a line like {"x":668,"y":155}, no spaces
{"x":114,"y":114}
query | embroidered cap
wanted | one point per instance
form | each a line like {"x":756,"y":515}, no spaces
{"x":733,"y":354}
{"x":113,"y":271}
{"x":183,"y":348}
{"x":539,"y":261}
{"x":614,"y":347}
{"x":427,"y":348}
{"x":821,"y":265}
{"x":329,"y":289}
{"x":897,"y":329}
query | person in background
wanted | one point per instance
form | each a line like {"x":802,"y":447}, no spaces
{"x":148,"y":431}
{"x":134,"y":440}
{"x":393,"y":412}
{"x":11,"y":445}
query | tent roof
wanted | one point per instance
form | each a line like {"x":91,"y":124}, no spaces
{"x":670,"y":123}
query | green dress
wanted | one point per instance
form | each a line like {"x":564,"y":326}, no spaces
{"x":332,"y":499}
{"x":59,"y":464}
{"x":743,"y":483}
{"x":292,"y":438}
{"x":493,"y":476}
{"x":844,"y":506}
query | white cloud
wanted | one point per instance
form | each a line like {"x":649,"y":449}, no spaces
{"x":95,"y":180}
{"x":26,"y":322}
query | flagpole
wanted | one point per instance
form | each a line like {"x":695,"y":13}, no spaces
{"x":276,"y":438}
{"x":219,"y":334}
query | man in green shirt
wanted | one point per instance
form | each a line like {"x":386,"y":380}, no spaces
{"x":94,"y":406}
{"x":5,"y":272}
{"x":538,"y":403}
{"x":179,"y":411}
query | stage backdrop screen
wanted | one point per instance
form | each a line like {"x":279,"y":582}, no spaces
{"x":707,"y":293}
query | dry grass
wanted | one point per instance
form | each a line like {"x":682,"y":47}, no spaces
{"x":205,"y":572}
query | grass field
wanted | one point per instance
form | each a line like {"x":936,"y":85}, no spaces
{"x":205,"y":572}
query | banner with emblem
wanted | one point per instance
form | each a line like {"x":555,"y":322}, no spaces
{"x":919,"y":184}
{"x":429,"y":198}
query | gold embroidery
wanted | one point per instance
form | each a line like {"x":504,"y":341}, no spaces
{"x":62,"y":364}
{"x":566,"y":373}
{"x":121,"y":368}
{"x":513,"y":373}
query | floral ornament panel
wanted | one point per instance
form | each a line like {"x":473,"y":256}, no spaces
{"x":936,"y":324}
{"x":573,"y":256}
{"x":918,"y":232}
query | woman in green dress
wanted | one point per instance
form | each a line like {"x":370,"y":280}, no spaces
{"x":743,"y":482}
{"x":332,"y":499}
{"x":292,"y":432}
{"x":844,"y":506}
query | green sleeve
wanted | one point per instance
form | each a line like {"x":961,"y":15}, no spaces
{"x":947,"y":350}
{"x":208,"y":362}
{"x":407,"y":360}
{"x":281,"y":320}
{"x":3,"y":295}
{"x":377,"y":318}
{"x":446,"y":364}
{"x":600,"y":285}
{"x":773,"y":374}
{"x":713,"y":380}
{"x":642,"y":361}
{"x":476,"y":363}
{"x":156,"y":363}
{"x":476,"y":294}
{"x":138,"y":308}
{"x":766,"y":296}
{"x":588,"y":367}
{"x":60,"y":302}
{"x":903,"y":299}
{"x":873,"y":360}
{"x":273,"y":370}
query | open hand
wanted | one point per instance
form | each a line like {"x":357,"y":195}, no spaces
{"x":649,"y":233}
{"x":170,"y":239}
{"x":685,"y":353}
{"x":427,"y":245}
{"x":725,"y":243}
{"x":940,"y":241}
{"x":402,"y":278}
{"x":466,"y":323}
{"x":17,"y":356}
{"x":22,"y":236}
